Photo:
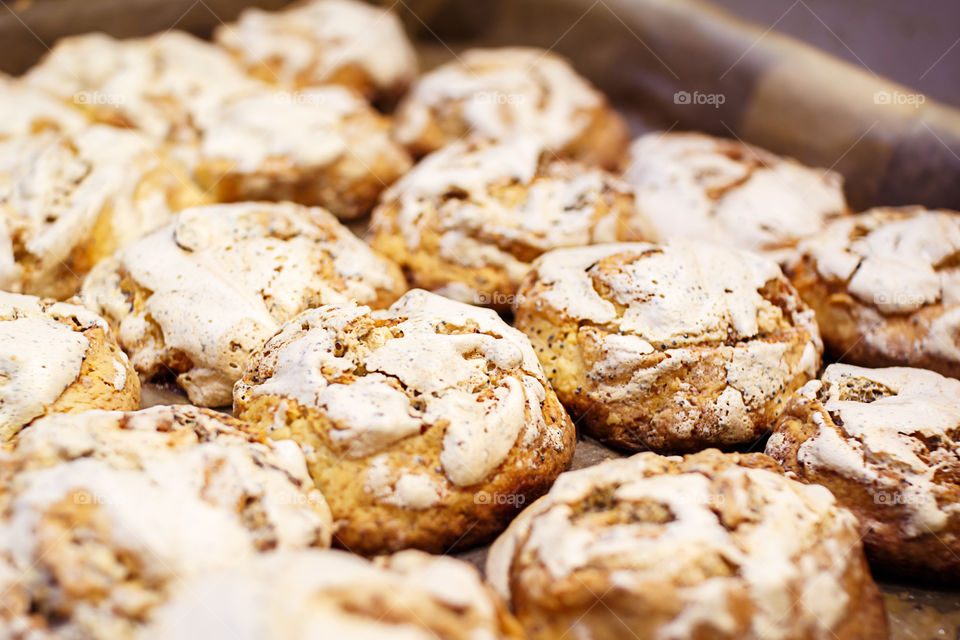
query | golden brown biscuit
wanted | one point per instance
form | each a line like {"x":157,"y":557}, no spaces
{"x":103,"y":513}
{"x":68,"y":201}
{"x":692,"y":185}
{"x":243,"y":139}
{"x":886,"y":442}
{"x":320,"y":42}
{"x":331,"y":594}
{"x":58,"y":358}
{"x":500,"y":93}
{"x":153,"y":84}
{"x":428,"y":425}
{"x":469,"y":219}
{"x":885,"y":285}
{"x":324,"y":146}
{"x":671,"y":348}
{"x":707,"y":546}
{"x":194,"y":299}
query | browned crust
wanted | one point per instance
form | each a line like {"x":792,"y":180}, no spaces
{"x":858,"y":333}
{"x":349,"y":75}
{"x":167,"y":180}
{"x":464,"y":516}
{"x":549,"y":609}
{"x":603,"y":142}
{"x":567,"y":347}
{"x":93,"y":387}
{"x":366,"y":526}
{"x":348,"y":187}
{"x":155,"y":361}
{"x":426,"y":268}
{"x":932,"y":558}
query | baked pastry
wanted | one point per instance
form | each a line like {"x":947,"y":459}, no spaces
{"x":319,"y":42}
{"x":58,"y":357}
{"x":242,"y":138}
{"x":711,"y":545}
{"x":469,"y":219}
{"x":153,"y":84}
{"x":197,"y":297}
{"x":886,"y":442}
{"x":332,"y":594}
{"x":885,"y":285}
{"x":671,"y":348}
{"x":26,"y":110}
{"x":103,"y":513}
{"x":696,"y":186}
{"x":427,"y":425}
{"x":500,"y":93}
{"x":67,"y":202}
{"x":323,"y":146}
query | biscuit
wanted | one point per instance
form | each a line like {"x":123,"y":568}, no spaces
{"x":102,"y":514}
{"x":67,"y":202}
{"x":243,"y":139}
{"x":469,"y":219}
{"x":323,"y":146}
{"x":58,"y":358}
{"x":885,"y":285}
{"x":427,"y":425}
{"x":886,"y":442}
{"x":332,"y":594}
{"x":26,"y":110}
{"x":696,"y":186}
{"x":500,"y":93}
{"x":194,"y":299}
{"x":152,"y":84}
{"x":671,"y":348}
{"x":711,"y":545}
{"x":320,"y":42}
